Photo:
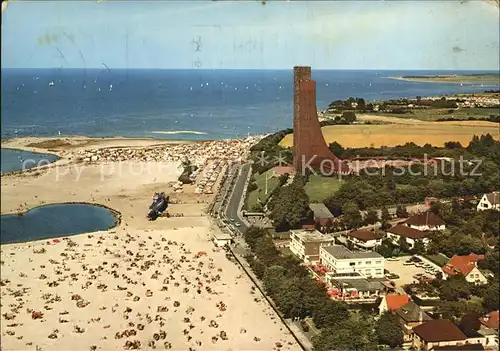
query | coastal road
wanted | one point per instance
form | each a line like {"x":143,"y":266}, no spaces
{"x":234,"y":202}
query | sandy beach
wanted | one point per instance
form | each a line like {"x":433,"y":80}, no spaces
{"x":160,"y":284}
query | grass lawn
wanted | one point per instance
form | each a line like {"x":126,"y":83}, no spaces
{"x":260,"y":193}
{"x":438,"y":259}
{"x":319,"y":188}
{"x":436,"y":113}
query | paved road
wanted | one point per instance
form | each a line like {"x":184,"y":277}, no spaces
{"x":234,"y":201}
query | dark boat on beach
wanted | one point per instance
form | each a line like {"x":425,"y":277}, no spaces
{"x":159,"y":205}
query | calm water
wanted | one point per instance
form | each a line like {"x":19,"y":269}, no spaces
{"x":220,"y":103}
{"x":16,"y":160}
{"x":54,"y":221}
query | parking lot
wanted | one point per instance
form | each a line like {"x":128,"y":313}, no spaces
{"x":406,"y":272}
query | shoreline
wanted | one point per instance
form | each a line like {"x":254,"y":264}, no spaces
{"x":76,"y":291}
{"x":464,"y":80}
{"x":115,"y":213}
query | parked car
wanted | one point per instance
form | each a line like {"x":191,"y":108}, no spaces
{"x":393,"y":259}
{"x":237,"y":224}
{"x":392,"y":276}
{"x":407,"y":263}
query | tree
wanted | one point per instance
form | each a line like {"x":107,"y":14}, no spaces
{"x":371,"y":217}
{"x":352,"y":216}
{"x":455,"y":288}
{"x":403,"y":245}
{"x":491,"y":297}
{"x":289,"y":207}
{"x":401,"y":212}
{"x":385,"y":216}
{"x":336,"y":149}
{"x":389,"y":331}
{"x":330,"y":313}
{"x":349,"y":116}
{"x":419,"y":247}
{"x":273,"y":279}
{"x":350,"y":335}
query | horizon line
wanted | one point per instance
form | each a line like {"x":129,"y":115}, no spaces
{"x":247,"y":69}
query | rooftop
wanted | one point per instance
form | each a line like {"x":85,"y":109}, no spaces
{"x":341,"y":252}
{"x":364,"y":235}
{"x":280,"y":170}
{"x":396,"y":301}
{"x":490,"y":320}
{"x":320,"y":211}
{"x":311,"y":236}
{"x":493,"y":198}
{"x":425,"y":218}
{"x":407,"y":232}
{"x":411,"y":312}
{"x":462,"y":264}
{"x":358,"y":284}
{"x":439,"y":330}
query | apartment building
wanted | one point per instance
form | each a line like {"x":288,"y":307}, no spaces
{"x":339,"y":259}
{"x":306,"y":243}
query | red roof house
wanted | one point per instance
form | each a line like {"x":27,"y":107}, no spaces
{"x":465,"y":265}
{"x":392,"y":302}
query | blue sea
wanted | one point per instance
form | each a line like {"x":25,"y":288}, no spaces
{"x":202,"y":104}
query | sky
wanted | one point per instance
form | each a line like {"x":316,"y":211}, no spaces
{"x":438,"y":35}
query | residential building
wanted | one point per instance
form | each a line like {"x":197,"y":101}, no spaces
{"x":339,"y":259}
{"x":354,"y":287}
{"x":409,"y":316}
{"x":489,"y":328}
{"x":365,"y":239}
{"x":466,"y":347}
{"x":437,"y":333}
{"x":391,"y":302}
{"x":321,"y":213}
{"x":305,"y":244}
{"x":489,"y":201}
{"x":281,"y":170}
{"x":490,"y":320}
{"x":410,"y":235}
{"x":425,"y":221}
{"x":467,"y":266}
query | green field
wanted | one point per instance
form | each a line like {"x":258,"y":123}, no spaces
{"x":320,"y":188}
{"x":260,"y":193}
{"x":433,"y":114}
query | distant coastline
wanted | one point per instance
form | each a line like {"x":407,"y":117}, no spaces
{"x":489,"y":79}
{"x":179,"y":132}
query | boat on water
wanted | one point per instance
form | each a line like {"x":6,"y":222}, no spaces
{"x":51,"y":84}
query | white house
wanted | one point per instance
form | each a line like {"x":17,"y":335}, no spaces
{"x":305,"y":244}
{"x":489,"y":201}
{"x":410,"y":235}
{"x":425,"y":221}
{"x":365,"y":239}
{"x":391,"y":302}
{"x":339,"y":259}
{"x":467,"y":266}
